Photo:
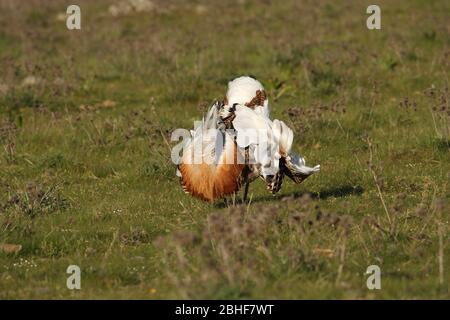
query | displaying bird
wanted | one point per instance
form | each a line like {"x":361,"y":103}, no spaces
{"x":236,"y":143}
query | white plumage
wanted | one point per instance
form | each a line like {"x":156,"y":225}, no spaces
{"x":242,"y":90}
{"x":264,"y":144}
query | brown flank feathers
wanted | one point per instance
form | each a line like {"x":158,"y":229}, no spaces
{"x":214,"y":181}
{"x":209,"y":181}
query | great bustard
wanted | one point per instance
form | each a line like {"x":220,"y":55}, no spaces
{"x":236,"y":143}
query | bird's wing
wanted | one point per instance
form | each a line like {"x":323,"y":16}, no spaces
{"x":202,"y":145}
{"x":270,"y":142}
{"x":251,"y":127}
{"x":294,"y":167}
{"x":283,"y":136}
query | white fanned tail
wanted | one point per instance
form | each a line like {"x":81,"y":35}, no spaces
{"x":298,"y":165}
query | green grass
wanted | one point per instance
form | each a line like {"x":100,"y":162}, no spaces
{"x":86,"y":176}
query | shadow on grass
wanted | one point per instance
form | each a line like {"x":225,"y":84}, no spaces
{"x":335,"y":192}
{"x":443,"y":144}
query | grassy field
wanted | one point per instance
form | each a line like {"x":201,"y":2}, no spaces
{"x":85,"y":170}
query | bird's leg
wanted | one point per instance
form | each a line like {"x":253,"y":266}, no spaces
{"x":244,"y":197}
{"x":246,"y":173}
{"x":274,"y":182}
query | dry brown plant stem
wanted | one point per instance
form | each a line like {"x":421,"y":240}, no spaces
{"x":375,"y":178}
